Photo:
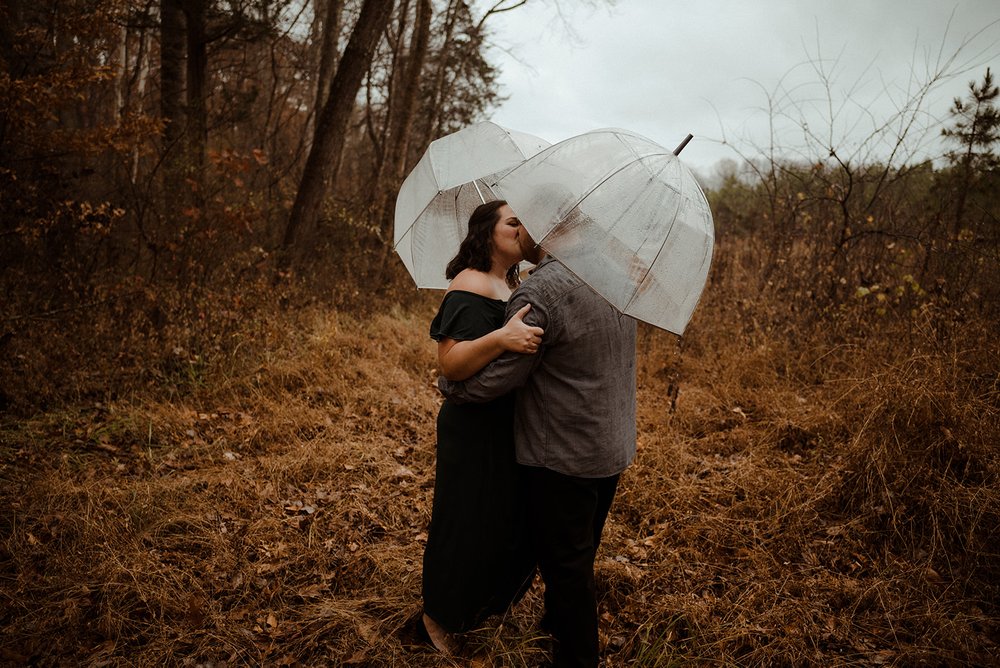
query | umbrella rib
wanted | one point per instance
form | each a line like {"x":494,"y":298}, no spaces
{"x":415,"y":219}
{"x":650,"y":269}
{"x":628,"y":146}
{"x":484,"y":149}
{"x":478,"y":192}
{"x":430,"y":159}
{"x":554,"y":149}
{"x":604,"y":180}
{"x":639,"y":159}
{"x":645,"y":274}
{"x":608,"y":177}
{"x":677,"y":197}
{"x":658,"y":250}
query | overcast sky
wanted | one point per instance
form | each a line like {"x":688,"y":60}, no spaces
{"x":664,"y":68}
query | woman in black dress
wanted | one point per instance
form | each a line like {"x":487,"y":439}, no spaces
{"x":477,"y":561}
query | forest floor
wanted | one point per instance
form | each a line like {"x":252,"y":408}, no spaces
{"x":789,"y":505}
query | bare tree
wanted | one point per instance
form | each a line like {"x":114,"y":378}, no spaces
{"x":197,"y":109}
{"x":172,"y":53}
{"x":841,"y":198}
{"x":407,"y":108}
{"x":324,"y":158}
{"x":330,"y":27}
{"x":391,"y":145}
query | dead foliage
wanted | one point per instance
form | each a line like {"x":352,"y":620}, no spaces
{"x":818,"y":494}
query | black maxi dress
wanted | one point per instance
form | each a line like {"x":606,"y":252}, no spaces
{"x":477,"y":561}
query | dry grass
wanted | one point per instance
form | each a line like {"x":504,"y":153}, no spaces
{"x":797,"y":500}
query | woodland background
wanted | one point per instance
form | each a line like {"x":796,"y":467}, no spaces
{"x":217,"y":428}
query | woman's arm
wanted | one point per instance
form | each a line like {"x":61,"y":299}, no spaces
{"x":507,"y":372}
{"x":461,"y":359}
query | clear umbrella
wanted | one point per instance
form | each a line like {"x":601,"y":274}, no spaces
{"x":451,"y":179}
{"x":625,"y":215}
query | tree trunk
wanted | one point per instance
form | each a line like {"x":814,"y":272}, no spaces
{"x":141,"y":77}
{"x":439,"y":76}
{"x":402,"y":128}
{"x":328,"y":51}
{"x":11,"y":20}
{"x":117,"y":113}
{"x":400,"y":121}
{"x":382,"y":137}
{"x":197,"y":114}
{"x":411,"y":86}
{"x":327,"y":62}
{"x":324,"y":158}
{"x":172,"y":51}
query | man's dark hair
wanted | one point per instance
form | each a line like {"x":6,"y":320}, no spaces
{"x":477,"y":248}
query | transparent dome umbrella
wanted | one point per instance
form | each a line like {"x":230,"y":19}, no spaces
{"x":452,"y":178}
{"x":625,"y":215}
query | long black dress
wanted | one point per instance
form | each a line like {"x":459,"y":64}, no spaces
{"x":477,"y":561}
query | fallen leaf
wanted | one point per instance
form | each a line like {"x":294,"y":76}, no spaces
{"x":359,"y":657}
{"x":195,"y":611}
{"x":312,"y":591}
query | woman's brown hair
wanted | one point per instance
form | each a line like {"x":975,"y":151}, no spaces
{"x":476,"y":251}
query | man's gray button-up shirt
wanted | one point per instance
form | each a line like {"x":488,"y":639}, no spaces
{"x":576,"y":400}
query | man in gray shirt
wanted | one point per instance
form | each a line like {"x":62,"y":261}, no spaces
{"x":574,"y":433}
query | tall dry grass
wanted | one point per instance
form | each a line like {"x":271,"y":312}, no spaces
{"x":811,"y":488}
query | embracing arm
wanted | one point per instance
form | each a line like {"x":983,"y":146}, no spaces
{"x":460,"y":359}
{"x":507,"y":372}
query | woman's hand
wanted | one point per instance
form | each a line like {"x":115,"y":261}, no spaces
{"x":519,"y":337}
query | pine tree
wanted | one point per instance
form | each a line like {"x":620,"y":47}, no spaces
{"x":977,"y":124}
{"x":976,"y":130}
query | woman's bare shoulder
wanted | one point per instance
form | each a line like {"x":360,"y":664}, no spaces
{"x":471,"y":280}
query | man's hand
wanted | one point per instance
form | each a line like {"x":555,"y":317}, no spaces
{"x":519,"y":337}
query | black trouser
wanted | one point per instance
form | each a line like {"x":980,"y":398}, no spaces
{"x":567,"y":516}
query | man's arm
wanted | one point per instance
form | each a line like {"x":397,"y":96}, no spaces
{"x":459,"y":360}
{"x":507,"y":372}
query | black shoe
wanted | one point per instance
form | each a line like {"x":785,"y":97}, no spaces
{"x":545,"y":623}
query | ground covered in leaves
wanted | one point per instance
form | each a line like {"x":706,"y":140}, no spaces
{"x":792,"y":503}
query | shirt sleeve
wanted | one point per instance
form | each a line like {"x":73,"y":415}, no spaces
{"x":510,"y":370}
{"x":453,"y":319}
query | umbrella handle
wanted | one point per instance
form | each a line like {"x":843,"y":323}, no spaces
{"x":677,"y":151}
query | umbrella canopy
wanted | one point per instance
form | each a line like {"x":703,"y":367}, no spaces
{"x":625,"y":215}
{"x":451,"y":179}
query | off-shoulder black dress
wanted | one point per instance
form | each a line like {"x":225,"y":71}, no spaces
{"x":478,"y":560}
